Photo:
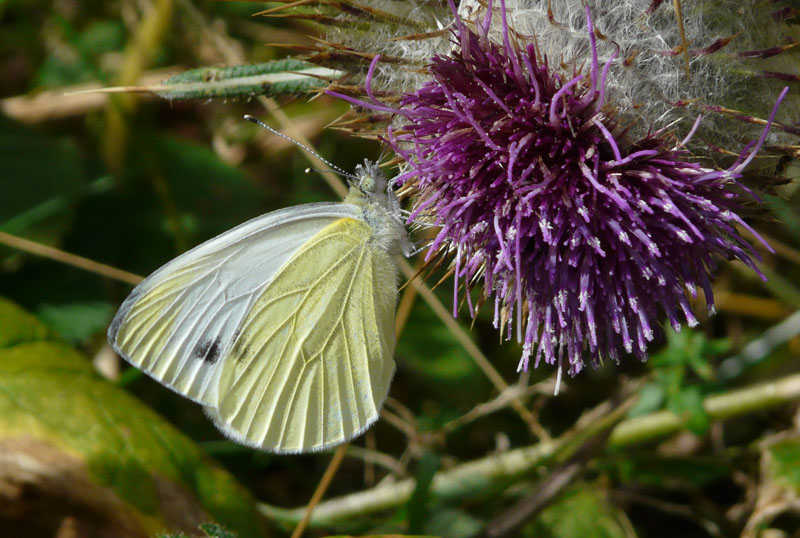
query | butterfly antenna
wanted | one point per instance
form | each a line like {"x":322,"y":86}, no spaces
{"x":257,"y":121}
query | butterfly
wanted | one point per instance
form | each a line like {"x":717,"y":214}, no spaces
{"x":283,"y":327}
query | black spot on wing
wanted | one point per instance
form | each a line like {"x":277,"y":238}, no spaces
{"x":240,"y":348}
{"x":207,"y":350}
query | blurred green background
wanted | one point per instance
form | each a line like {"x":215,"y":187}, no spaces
{"x":132,"y":180}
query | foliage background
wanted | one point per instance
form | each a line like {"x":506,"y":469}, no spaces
{"x":131,"y":181}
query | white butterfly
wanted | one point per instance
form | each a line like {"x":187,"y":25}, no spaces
{"x":283,"y":327}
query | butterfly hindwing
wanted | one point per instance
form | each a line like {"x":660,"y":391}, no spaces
{"x":312,"y":363}
{"x":179,"y":323}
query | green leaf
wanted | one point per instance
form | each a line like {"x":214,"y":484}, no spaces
{"x":687,"y":352}
{"x":688,"y":403}
{"x":33,"y":181}
{"x":778,"y":491}
{"x":76,"y":322}
{"x":210,"y":195}
{"x":18,"y":326}
{"x":583,"y":511}
{"x":175,"y":194}
{"x":651,"y":398}
{"x":453,"y":523}
{"x":784,"y":463}
{"x":79,"y":57}
{"x":96,"y":452}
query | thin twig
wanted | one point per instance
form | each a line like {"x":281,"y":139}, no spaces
{"x":502,"y":401}
{"x":80,"y":262}
{"x":372,"y":456}
{"x":322,"y":487}
{"x":760,"y":347}
{"x":463,"y":338}
{"x":565,"y":474}
{"x":405,"y":305}
{"x":531,"y":505}
{"x":684,"y":42}
{"x":471,"y":479}
{"x":400,"y":424}
{"x":669,"y":508}
{"x":787,"y":252}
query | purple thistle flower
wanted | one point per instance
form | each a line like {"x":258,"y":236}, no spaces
{"x":580,"y":236}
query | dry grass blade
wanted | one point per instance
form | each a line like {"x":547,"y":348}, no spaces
{"x":502,"y":401}
{"x":463,"y":338}
{"x":404,"y":307}
{"x":80,"y":262}
{"x":684,"y":42}
{"x":322,"y":487}
{"x":282,"y":7}
{"x":783,"y":250}
{"x":749,"y":305}
{"x":71,"y":101}
{"x":369,"y":455}
{"x":139,"y":52}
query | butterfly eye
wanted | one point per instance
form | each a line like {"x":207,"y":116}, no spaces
{"x":367,"y":183}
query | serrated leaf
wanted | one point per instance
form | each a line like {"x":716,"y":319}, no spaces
{"x":86,"y":448}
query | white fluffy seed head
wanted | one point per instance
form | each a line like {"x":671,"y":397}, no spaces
{"x":647,"y":78}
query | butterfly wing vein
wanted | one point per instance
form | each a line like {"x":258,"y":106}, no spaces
{"x":179,"y":322}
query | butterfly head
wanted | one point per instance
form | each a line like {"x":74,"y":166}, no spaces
{"x":368,"y":184}
{"x":370,"y":189}
{"x":369,"y":179}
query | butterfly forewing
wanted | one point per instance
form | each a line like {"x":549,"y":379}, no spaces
{"x":312,"y":361}
{"x":179,"y":322}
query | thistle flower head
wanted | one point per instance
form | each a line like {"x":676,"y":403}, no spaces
{"x":581,"y":237}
